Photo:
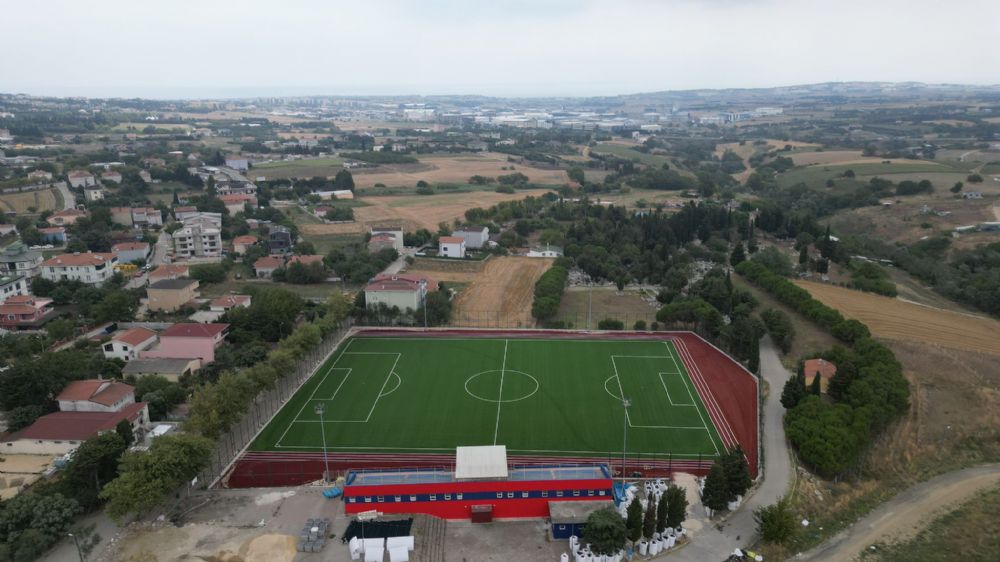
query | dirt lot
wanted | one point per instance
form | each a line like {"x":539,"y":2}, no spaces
{"x":417,"y":211}
{"x":894,"y":319}
{"x":627,"y":306}
{"x":501,"y":295}
{"x":453,"y":169}
{"x":19,"y":202}
{"x":903,"y":222}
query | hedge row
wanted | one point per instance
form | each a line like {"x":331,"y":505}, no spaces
{"x":548,"y":292}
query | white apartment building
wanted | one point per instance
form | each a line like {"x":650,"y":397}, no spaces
{"x":90,"y":268}
{"x":198,"y":240}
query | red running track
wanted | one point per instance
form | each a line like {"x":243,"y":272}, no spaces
{"x":728,"y":390}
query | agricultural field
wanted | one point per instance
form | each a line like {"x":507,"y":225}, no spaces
{"x":816,"y":176}
{"x":21,"y":203}
{"x":454,"y":169}
{"x":138,"y":127}
{"x":903,"y":221}
{"x":536,"y":396}
{"x":501,"y":295}
{"x":605,"y":302}
{"x":416,"y":211}
{"x":626,"y":151}
{"x":894,"y":319}
{"x":303,"y":168}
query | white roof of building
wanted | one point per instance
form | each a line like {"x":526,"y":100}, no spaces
{"x":487,"y":461}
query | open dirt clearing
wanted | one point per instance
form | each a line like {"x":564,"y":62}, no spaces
{"x":417,"y":211}
{"x":502,"y":294}
{"x":454,"y":169}
{"x":42,"y":200}
{"x":894,"y":319}
{"x":604,"y":302}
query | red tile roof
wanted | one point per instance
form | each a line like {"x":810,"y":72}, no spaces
{"x":230,"y":301}
{"x":52,"y":230}
{"x":126,"y":246}
{"x":91,"y":390}
{"x":245,"y":239}
{"x":268,"y":262}
{"x":169,"y":270}
{"x":306,"y":259}
{"x":821,"y":366}
{"x":383,"y":282}
{"x":79,"y":260}
{"x":451,"y":239}
{"x":193,"y":330}
{"x":135,"y":336}
{"x":76,"y":426}
{"x":79,"y":174}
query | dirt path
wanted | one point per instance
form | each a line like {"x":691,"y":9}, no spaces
{"x":907,"y":513}
{"x":996,"y":211}
{"x":501,"y":295}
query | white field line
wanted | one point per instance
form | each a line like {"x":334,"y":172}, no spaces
{"x":700,"y":415}
{"x":503,"y":367}
{"x":328,"y":371}
{"x":708,"y":399}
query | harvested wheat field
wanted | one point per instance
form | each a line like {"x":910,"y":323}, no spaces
{"x":41,"y":200}
{"x":895,"y":319}
{"x":454,"y":169}
{"x":416,"y":211}
{"x":501,"y":295}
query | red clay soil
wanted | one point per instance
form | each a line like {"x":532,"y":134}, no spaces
{"x":730,"y":394}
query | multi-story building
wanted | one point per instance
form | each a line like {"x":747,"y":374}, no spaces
{"x":25,"y":312}
{"x":95,"y":395}
{"x":81,"y":178}
{"x":126,"y":345}
{"x":13,"y":286}
{"x":197,"y":240}
{"x":168,"y":295}
{"x":18,"y":259}
{"x":402,"y":291}
{"x":279,"y":240}
{"x":89,"y":268}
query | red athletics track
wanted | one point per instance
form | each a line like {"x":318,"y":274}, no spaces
{"x":728,"y":390}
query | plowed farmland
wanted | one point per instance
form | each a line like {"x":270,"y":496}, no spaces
{"x":895,"y":319}
{"x":501,"y":295}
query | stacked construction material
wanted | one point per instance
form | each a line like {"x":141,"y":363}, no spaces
{"x":313,"y":536}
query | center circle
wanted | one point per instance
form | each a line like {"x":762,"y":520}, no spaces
{"x":517,"y":385}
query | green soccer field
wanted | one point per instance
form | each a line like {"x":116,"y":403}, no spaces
{"x":536,"y":396}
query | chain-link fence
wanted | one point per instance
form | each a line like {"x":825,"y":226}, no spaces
{"x":577,"y":320}
{"x":267,"y":403}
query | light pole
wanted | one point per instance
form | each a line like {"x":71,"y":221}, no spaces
{"x":77,"y":543}
{"x":625,"y":404}
{"x":320,"y":407}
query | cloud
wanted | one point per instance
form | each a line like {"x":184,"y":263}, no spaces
{"x":158,"y":48}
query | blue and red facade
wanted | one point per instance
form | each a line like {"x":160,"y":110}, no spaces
{"x":523,"y":495}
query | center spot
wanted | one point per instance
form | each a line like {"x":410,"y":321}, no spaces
{"x":485,"y":386}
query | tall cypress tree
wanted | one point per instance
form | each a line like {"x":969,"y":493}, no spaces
{"x":815,"y":387}
{"x":661,"y":513}
{"x":633,"y":520}
{"x":715,"y":496}
{"x":649,"y":519}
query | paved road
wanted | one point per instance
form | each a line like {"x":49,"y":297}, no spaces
{"x":909,"y":511}
{"x":712,"y":543}
{"x":69,"y":200}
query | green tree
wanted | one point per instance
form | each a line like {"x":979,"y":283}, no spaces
{"x":957,"y":188}
{"x":649,"y":519}
{"x":124,"y":429}
{"x":793,"y":391}
{"x":661,"y":513}
{"x":116,"y":306}
{"x":94,"y":464}
{"x":738,"y":255}
{"x":737,"y":471}
{"x":343,"y":180}
{"x":974,"y":178}
{"x":576,"y":174}
{"x":23,"y":416}
{"x":633,"y":520}
{"x":677,"y":503}
{"x":31,"y":522}
{"x":605,"y":531}
{"x":776,"y":523}
{"x":59,"y":329}
{"x":149,"y":477}
{"x":715,"y":495}
{"x":815,"y":386}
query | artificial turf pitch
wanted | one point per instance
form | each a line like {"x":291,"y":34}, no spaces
{"x":536,"y":396}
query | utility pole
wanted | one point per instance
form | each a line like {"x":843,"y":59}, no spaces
{"x":320,"y":407}
{"x":77,"y":543}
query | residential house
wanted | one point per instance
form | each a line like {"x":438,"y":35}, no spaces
{"x":451,"y":247}
{"x":475,"y":236}
{"x":93,"y":193}
{"x":89,"y":268}
{"x":169,"y":271}
{"x":380,"y":242}
{"x":18,"y":259}
{"x":168,"y":295}
{"x":279,"y":240}
{"x":154,"y":162}
{"x":81,"y":178}
{"x":25,"y":312}
{"x":13,"y":286}
{"x":53,"y":235}
{"x":95,"y":395}
{"x":237,"y":202}
{"x":112,"y":176}
{"x":181,"y":213}
{"x":266,"y":266}
{"x":7,"y":229}
{"x":39,"y":175}
{"x":170,"y":369}
{"x":229,"y":302}
{"x":403,"y":291}
{"x":243,"y":243}
{"x":129,"y":252}
{"x":189,"y":341}
{"x":237,"y":162}
{"x":545,"y":252}
{"x":198,"y":241}
{"x":202,"y":219}
{"x":66,"y":217}
{"x":306,"y":259}
{"x":142,"y":217}
{"x":127,"y":344}
{"x":395,"y":231}
{"x":145,"y":176}
{"x":62,"y":432}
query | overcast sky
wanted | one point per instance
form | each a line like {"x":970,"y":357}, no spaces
{"x":204,"y":48}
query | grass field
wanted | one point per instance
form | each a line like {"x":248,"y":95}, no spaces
{"x":20,"y":203}
{"x":816,"y":175}
{"x":537,"y":397}
{"x":304,"y":168}
{"x":624,"y":151}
